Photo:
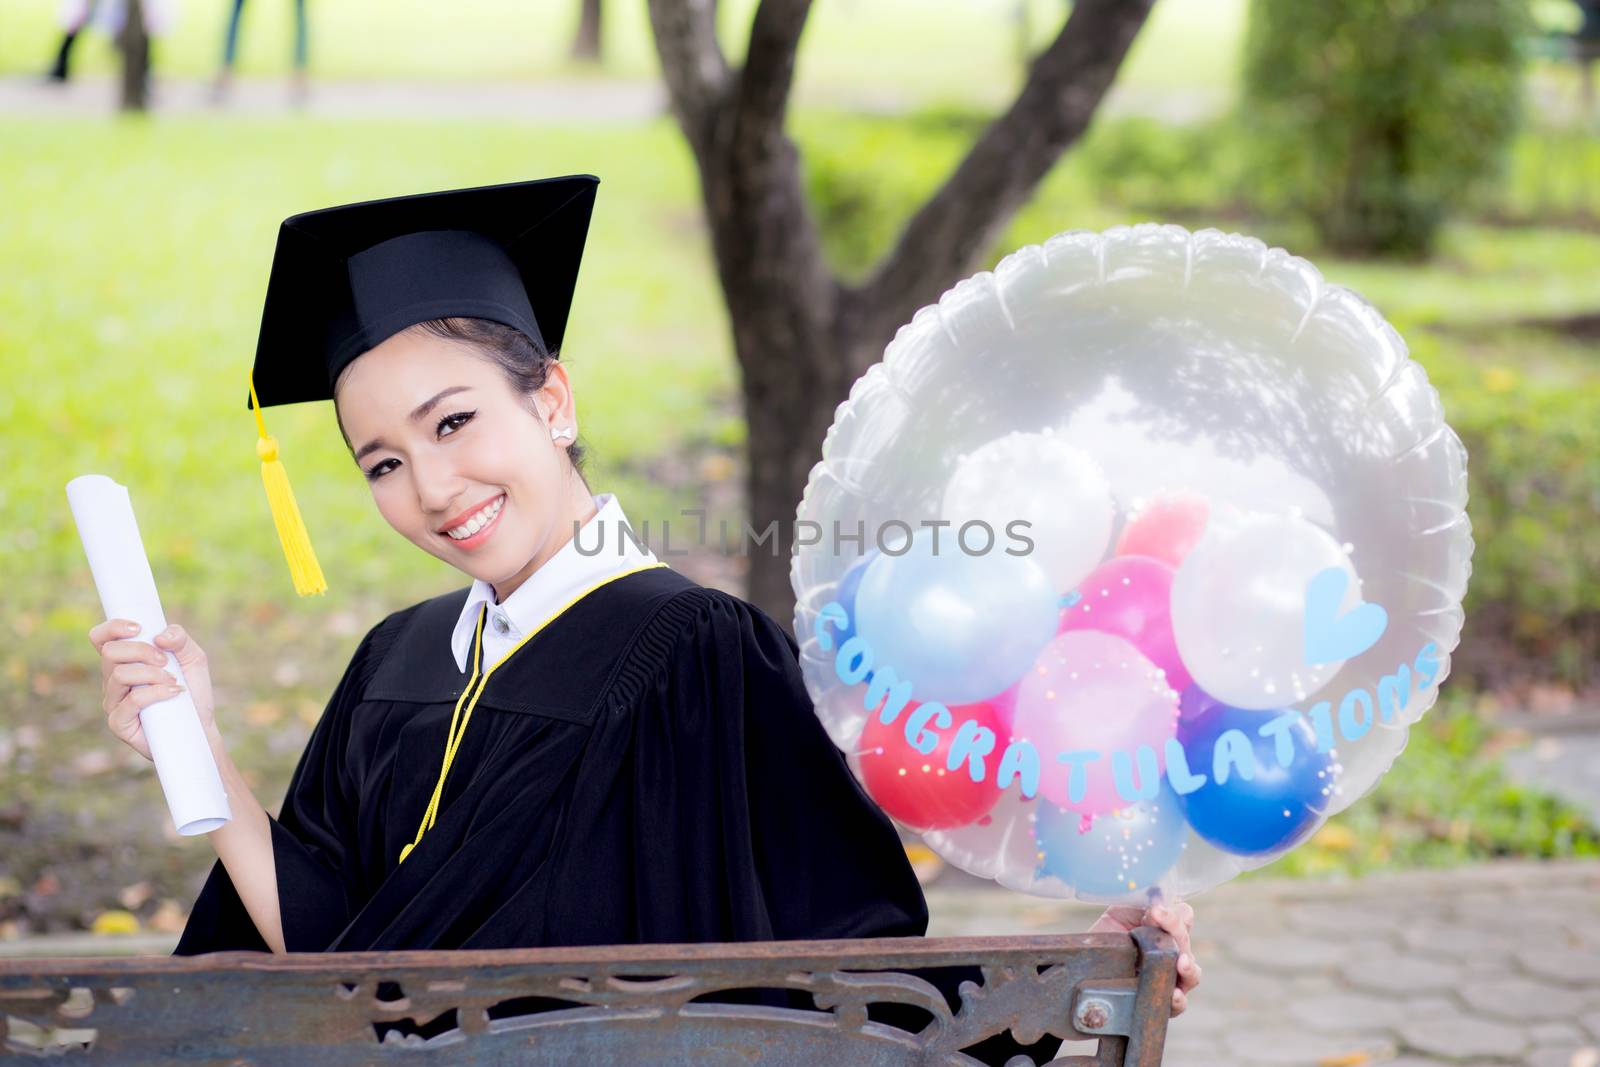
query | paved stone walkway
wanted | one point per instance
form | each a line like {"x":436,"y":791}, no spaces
{"x":1565,"y":762}
{"x":1496,"y":964}
{"x":588,"y":101}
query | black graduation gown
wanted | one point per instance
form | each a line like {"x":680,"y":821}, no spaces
{"x":647,"y":768}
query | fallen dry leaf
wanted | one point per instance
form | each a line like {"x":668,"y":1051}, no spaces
{"x":115,"y":922}
{"x":263,"y":713}
{"x":1335,"y":837}
{"x":264,"y":611}
{"x":1345,"y":1059}
{"x":716,"y":467}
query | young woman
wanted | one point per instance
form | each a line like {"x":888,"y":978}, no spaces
{"x":583,"y":747}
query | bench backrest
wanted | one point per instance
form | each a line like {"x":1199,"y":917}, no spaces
{"x":612,"y":1004}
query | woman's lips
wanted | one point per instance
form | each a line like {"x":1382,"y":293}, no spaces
{"x":482,"y":535}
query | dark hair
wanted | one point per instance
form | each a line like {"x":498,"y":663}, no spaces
{"x":524,"y":361}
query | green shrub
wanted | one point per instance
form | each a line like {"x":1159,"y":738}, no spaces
{"x":1170,"y":172}
{"x":1377,"y":118}
{"x":1532,"y":439}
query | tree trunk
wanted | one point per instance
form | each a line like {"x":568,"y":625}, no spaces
{"x":801,"y":336}
{"x":586,"y":45}
{"x":134,"y":44}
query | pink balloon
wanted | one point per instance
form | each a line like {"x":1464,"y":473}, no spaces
{"x":1092,"y":691}
{"x":1131,"y":596}
{"x":1166,"y":528}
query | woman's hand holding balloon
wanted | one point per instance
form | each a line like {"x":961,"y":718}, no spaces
{"x":1177,"y":921}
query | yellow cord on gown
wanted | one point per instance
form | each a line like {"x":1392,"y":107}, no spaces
{"x":474,"y":690}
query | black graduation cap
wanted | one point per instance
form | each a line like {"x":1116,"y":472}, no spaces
{"x":345,"y":279}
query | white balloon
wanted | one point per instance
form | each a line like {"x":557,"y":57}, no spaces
{"x":1239,"y":609}
{"x":1058,"y":489}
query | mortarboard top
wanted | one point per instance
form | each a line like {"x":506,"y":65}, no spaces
{"x":345,"y":279}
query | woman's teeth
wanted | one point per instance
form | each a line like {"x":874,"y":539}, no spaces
{"x":478,"y":521}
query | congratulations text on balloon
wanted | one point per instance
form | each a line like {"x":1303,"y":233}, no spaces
{"x":1137,"y":775}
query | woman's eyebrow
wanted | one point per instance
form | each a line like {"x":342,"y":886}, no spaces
{"x":420,"y":412}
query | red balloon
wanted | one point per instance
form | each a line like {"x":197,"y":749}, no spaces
{"x":917,"y":788}
{"x":1166,"y":528}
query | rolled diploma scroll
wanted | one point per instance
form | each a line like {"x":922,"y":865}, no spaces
{"x":184,"y":764}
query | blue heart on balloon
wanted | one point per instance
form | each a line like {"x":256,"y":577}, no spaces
{"x":1330,"y":637}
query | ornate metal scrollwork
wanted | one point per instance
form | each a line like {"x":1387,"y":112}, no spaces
{"x":796,"y":1002}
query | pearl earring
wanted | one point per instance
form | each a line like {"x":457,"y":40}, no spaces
{"x":564,"y":433}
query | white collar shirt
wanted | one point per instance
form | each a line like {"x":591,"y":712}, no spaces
{"x":603,"y":547}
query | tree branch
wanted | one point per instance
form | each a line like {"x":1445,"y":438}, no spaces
{"x":765,"y":234}
{"x":944,"y":239}
{"x":693,"y":66}
{"x":768,"y":73}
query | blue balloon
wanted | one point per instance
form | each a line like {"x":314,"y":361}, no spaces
{"x":1276,"y":806}
{"x":845,"y":594}
{"x":1121,"y":853}
{"x":960,"y":628}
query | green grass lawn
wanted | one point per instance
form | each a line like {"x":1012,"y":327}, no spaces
{"x":136,"y":254}
{"x":132,"y":327}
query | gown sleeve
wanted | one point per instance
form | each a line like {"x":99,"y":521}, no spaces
{"x":825,"y":860}
{"x":312,"y":837}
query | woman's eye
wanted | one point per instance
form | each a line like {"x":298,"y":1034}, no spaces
{"x":456,"y":421}
{"x":451,"y":420}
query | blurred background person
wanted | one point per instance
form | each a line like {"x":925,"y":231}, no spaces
{"x":299,"y":86}
{"x":75,"y":16}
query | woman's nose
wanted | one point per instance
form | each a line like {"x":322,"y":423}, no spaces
{"x":438,"y":489}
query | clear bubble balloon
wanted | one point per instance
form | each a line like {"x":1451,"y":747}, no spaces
{"x":1197,"y":399}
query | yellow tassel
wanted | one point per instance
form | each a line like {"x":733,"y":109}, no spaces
{"x":292,"y":533}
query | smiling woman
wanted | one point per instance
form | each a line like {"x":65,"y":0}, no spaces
{"x":579,"y":747}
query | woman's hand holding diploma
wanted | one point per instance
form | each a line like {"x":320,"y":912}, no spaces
{"x":135,"y":677}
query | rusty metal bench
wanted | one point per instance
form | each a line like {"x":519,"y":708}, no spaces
{"x":655,"y":1004}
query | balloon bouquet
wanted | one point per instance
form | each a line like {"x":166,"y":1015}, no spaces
{"x":1138,"y":557}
